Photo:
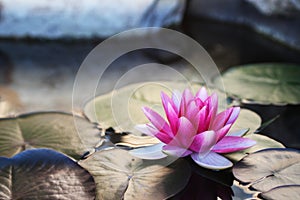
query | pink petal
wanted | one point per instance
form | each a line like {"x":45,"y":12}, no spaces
{"x":223,"y":131}
{"x":172,"y":118}
{"x":150,"y":130}
{"x":212,"y":161}
{"x":159,"y":123}
{"x":143,"y":128}
{"x":238,"y":133}
{"x":176,"y":98}
{"x":221,"y":119}
{"x":191,"y":113}
{"x":185,"y":133}
{"x":203,"y":121}
{"x":165,"y":138}
{"x":203,"y":142}
{"x":235,"y":113}
{"x":199,"y":103}
{"x":202,"y":94}
{"x":212,"y":103}
{"x":176,"y":151}
{"x":150,"y":153}
{"x":166,"y":100}
{"x":232,"y":143}
{"x":226,"y":117}
{"x":187,"y":96}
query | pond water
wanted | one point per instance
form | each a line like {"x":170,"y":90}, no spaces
{"x":42,"y":73}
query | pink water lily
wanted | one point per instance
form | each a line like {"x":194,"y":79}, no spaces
{"x":193,"y":127}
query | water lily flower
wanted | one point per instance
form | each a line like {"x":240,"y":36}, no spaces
{"x":193,"y":127}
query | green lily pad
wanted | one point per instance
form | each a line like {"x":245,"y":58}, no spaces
{"x":266,"y":83}
{"x":268,"y":169}
{"x":44,"y":174}
{"x":262,"y":142}
{"x":119,"y":175}
{"x":53,"y":130}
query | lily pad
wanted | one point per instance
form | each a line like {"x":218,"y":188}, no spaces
{"x":268,"y":169}
{"x":266,"y":83}
{"x":53,"y":130}
{"x":119,"y":175}
{"x":262,"y":142}
{"x":44,"y":174}
{"x":247,"y":119}
{"x":284,"y":192}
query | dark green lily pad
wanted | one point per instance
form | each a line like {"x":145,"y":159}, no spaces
{"x":289,"y":192}
{"x":268,"y":169}
{"x":262,"y":142}
{"x":53,"y":130}
{"x":44,"y":174}
{"x":119,"y":175}
{"x":266,"y":83}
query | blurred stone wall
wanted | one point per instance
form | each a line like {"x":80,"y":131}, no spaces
{"x":84,"y":19}
{"x":277,"y":19}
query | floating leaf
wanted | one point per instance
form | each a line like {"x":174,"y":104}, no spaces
{"x":247,"y":119}
{"x":119,"y":175}
{"x":44,"y":174}
{"x":53,"y":130}
{"x":284,"y":192}
{"x":267,"y":83}
{"x":270,"y":168}
{"x":262,"y":142}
